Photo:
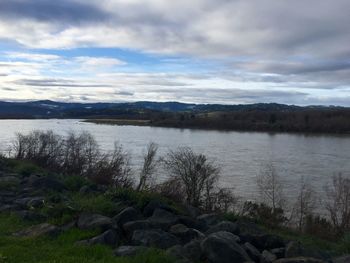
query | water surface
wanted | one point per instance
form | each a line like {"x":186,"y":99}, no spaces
{"x":241,"y":155}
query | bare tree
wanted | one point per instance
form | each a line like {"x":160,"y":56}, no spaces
{"x":338,"y":202}
{"x":270,"y":187}
{"x":304,"y":205}
{"x":197,"y":175}
{"x":148,"y":168}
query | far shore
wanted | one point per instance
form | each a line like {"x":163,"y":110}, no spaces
{"x":120,"y":122}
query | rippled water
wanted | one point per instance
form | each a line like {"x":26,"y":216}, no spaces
{"x":239,"y":154}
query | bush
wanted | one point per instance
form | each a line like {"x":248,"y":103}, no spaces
{"x":264,"y":214}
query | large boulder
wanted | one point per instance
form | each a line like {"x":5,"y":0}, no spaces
{"x":267,"y":257}
{"x":109,"y":237}
{"x":185,"y":234}
{"x":153,"y":205}
{"x":224,"y":226}
{"x":39,"y":230}
{"x":127,"y":215}
{"x":193,"y":250}
{"x":30,"y":202}
{"x":208,"y":220}
{"x":132,"y":226}
{"x":221,"y":247}
{"x":29,"y":215}
{"x":93,"y":221}
{"x":252,"y":251}
{"x":124,"y":251}
{"x":177,"y":252}
{"x":154,"y":238}
{"x":164,"y":218}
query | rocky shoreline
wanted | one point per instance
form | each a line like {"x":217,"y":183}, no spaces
{"x":187,"y":235}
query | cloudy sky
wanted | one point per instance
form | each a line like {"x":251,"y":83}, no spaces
{"x":201,"y":51}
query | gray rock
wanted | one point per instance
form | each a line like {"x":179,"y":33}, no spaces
{"x":30,"y":202}
{"x":185,"y":234}
{"x":124,"y":251}
{"x":299,"y":260}
{"x":109,"y":237}
{"x":208,"y":220}
{"x":154,"y":238}
{"x":224,"y":226}
{"x":130,"y":227}
{"x":39,"y":230}
{"x":193,"y":250}
{"x":343,"y":259}
{"x":9,"y":180}
{"x":267,"y":257}
{"x":164,"y":218}
{"x":221,"y":247}
{"x":279,"y":252}
{"x":92,"y":221}
{"x":252,"y":251}
{"x":127,"y":215}
{"x":153,"y":205}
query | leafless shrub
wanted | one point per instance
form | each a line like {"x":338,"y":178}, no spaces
{"x":80,"y":153}
{"x":77,"y":153}
{"x":270,"y":187}
{"x":338,"y":202}
{"x":304,"y":206}
{"x":112,"y":168}
{"x":223,"y":200}
{"x":172,"y":189}
{"x":148,"y":168}
{"x":197,"y":175}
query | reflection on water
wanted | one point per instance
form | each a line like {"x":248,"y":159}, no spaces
{"x":239,"y":154}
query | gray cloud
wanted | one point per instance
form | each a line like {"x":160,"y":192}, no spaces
{"x":56,"y":83}
{"x":124,"y":93}
{"x":63,"y":11}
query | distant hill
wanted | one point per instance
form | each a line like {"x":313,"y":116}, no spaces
{"x":53,"y":109}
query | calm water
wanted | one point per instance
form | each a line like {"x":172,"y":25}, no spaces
{"x":240,"y":154}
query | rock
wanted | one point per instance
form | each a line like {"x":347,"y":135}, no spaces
{"x":154,"y":238}
{"x":7,"y":208}
{"x":193,"y":250}
{"x":29,"y":215}
{"x":263,"y":241}
{"x":39,"y":230}
{"x":221,"y":247}
{"x":92,"y":221}
{"x":252,"y":251}
{"x":153,"y":205}
{"x":69,"y":226}
{"x":185,"y":234}
{"x":109,"y":237}
{"x":37,"y":202}
{"x":190,"y":222}
{"x":46,"y":183}
{"x":130,"y":227}
{"x":343,"y":259}
{"x":279,"y":252}
{"x":127,"y":215}
{"x":224,"y":226}
{"x":208,"y":220}
{"x":123,"y":251}
{"x":267,"y":257}
{"x":299,"y":260}
{"x":164,"y":218}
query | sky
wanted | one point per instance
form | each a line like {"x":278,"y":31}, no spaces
{"x":198,"y":51}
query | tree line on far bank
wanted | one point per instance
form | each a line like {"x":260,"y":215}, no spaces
{"x":191,"y":179}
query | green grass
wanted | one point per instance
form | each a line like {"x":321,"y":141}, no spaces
{"x":61,"y":249}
